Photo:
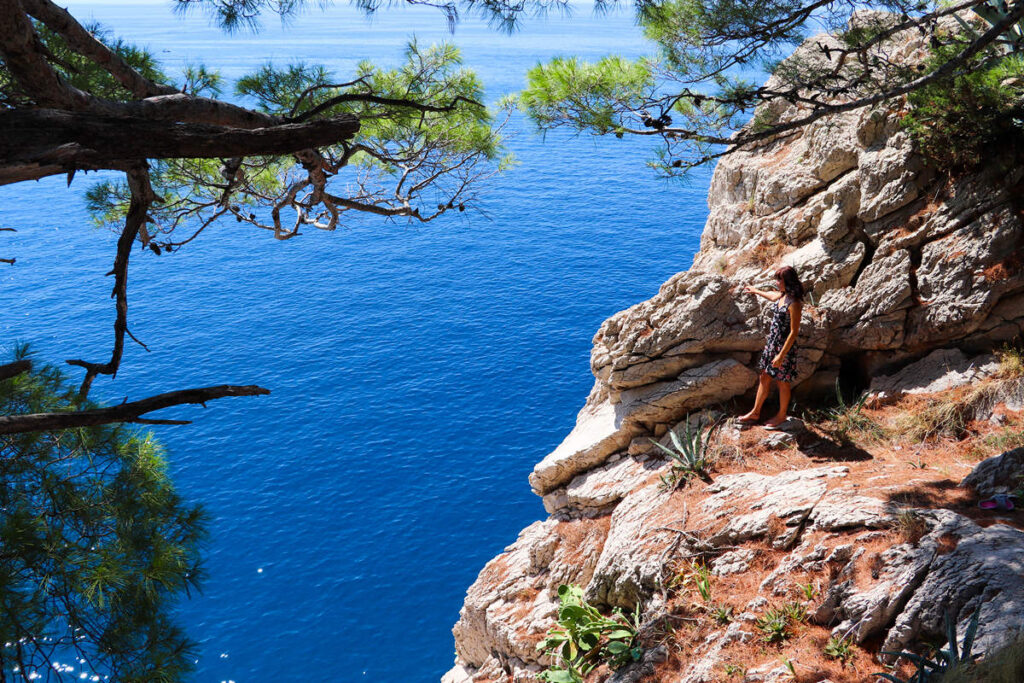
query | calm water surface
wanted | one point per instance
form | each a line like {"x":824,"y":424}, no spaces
{"x":418,"y":372}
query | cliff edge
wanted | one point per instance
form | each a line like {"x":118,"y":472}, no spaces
{"x":915,"y":275}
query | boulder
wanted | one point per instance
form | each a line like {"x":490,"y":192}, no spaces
{"x":995,"y":475}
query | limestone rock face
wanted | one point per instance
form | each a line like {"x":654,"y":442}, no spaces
{"x":899,"y":261}
{"x":940,"y":370}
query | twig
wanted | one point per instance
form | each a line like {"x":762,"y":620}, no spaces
{"x":142,"y":197}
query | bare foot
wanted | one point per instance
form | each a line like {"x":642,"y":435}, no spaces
{"x":749,"y":419}
{"x":776,"y":421}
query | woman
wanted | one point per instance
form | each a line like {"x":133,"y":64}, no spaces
{"x":778,"y":360}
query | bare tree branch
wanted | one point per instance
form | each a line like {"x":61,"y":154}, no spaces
{"x":142,"y":197}
{"x":125,"y":412}
{"x":14,"y":369}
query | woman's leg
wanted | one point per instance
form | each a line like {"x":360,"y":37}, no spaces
{"x":784,"y":392}
{"x":763,"y":384}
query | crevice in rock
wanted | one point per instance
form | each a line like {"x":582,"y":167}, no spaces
{"x":853,"y":377}
{"x":856,"y":227}
{"x":915,"y":263}
{"x":824,"y":187}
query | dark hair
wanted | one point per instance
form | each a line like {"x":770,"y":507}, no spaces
{"x":790,"y":280}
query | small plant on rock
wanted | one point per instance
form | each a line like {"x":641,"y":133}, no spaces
{"x":584,"y":639}
{"x":933,"y":669}
{"x":691,"y":455}
{"x":773,"y":625}
{"x":849,"y":421}
{"x":839,"y":648}
{"x":732,"y":670}
{"x":722,"y":614}
{"x":795,"y":612}
{"x":701,"y":579}
{"x":809,"y":590}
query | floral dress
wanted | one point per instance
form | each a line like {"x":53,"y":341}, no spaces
{"x":777,"y":334}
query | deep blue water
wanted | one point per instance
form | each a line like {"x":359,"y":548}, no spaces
{"x":418,"y":372}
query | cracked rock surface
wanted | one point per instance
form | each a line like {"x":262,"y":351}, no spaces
{"x":900,"y":261}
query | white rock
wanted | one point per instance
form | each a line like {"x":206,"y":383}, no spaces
{"x":941,"y":370}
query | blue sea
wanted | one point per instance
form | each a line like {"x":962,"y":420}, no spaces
{"x":418,"y":371}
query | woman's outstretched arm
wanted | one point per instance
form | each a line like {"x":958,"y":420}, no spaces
{"x":795,"y":309}
{"x":771,"y":295}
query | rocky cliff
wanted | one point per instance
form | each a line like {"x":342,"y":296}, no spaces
{"x":901,"y":260}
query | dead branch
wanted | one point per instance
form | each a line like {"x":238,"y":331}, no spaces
{"x":14,"y":369}
{"x":142,"y":197}
{"x":125,"y":412}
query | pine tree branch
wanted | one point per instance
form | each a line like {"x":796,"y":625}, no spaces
{"x":84,"y":43}
{"x":387,"y":101}
{"x":35,"y":143}
{"x":25,"y":58}
{"x":125,"y":412}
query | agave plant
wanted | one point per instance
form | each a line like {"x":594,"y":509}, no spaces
{"x":992,"y":12}
{"x":691,"y":455}
{"x":932,"y":670}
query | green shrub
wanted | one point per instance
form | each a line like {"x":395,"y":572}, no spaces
{"x":584,"y":639}
{"x":957,"y":122}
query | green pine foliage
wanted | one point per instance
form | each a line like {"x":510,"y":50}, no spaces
{"x":431,"y":157}
{"x":82,"y":73}
{"x":584,"y":95}
{"x":95,"y":546}
{"x":958,"y":122}
{"x":89,"y":76}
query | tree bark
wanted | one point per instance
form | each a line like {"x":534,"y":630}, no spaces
{"x":14,"y":369}
{"x":35,"y":143}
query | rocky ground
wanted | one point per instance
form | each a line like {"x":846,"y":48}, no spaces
{"x":867,"y":521}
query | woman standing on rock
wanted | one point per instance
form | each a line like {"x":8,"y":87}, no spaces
{"x":778,"y":360}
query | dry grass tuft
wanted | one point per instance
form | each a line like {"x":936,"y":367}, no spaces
{"x":911,"y":526}
{"x":939,"y":417}
{"x":1011,"y":361}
